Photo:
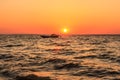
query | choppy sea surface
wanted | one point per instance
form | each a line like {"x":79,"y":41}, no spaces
{"x":75,"y":57}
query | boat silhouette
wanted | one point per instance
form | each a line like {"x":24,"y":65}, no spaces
{"x":50,"y":36}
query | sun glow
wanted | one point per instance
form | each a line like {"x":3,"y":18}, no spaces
{"x":65,"y":30}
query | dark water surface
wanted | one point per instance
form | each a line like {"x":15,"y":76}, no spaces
{"x":69,"y":58}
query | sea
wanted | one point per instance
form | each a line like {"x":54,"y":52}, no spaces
{"x":70,"y":57}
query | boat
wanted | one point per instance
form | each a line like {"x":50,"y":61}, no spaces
{"x":50,"y":36}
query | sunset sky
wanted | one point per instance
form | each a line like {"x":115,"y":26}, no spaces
{"x":51,"y":16}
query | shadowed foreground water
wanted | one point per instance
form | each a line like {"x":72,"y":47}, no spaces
{"x":30,"y":57}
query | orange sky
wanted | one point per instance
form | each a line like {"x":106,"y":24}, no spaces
{"x":50,"y":16}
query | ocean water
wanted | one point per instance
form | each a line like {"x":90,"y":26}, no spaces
{"x":75,"y":57}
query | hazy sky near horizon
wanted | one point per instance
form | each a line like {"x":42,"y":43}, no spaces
{"x":50,"y":16}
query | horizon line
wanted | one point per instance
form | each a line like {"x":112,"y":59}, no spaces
{"x":58,"y":34}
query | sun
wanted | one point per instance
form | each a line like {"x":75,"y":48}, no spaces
{"x":65,"y":30}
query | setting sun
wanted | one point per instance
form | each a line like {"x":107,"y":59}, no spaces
{"x":65,"y":30}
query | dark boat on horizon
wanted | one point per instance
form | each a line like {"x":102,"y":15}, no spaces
{"x":50,"y":36}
